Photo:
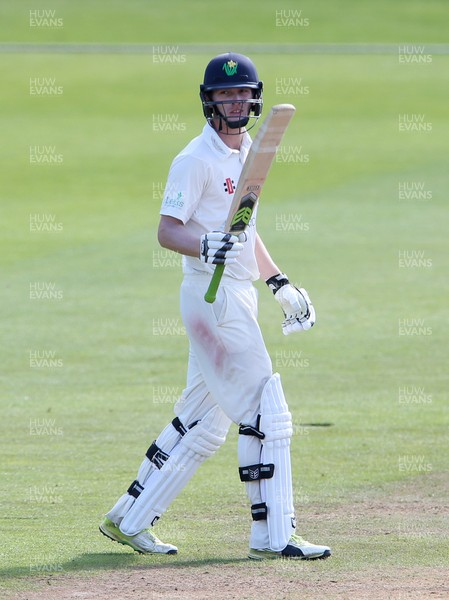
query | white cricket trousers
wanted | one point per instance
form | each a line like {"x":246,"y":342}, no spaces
{"x":228,"y":362}
{"x":228,"y":366}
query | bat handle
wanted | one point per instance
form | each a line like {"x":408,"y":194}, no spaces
{"x":211,"y":293}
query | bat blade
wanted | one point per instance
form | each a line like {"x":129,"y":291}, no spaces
{"x":254,"y":172}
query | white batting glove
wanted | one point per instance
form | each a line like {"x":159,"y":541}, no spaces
{"x":297,"y":307}
{"x":220,"y":248}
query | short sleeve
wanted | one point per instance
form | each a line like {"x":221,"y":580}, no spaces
{"x":185,"y":185}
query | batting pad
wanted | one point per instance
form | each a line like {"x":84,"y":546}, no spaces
{"x":167,"y":440}
{"x":200,"y":442}
{"x":277,"y":492}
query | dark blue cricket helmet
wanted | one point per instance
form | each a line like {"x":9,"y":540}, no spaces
{"x":231,"y":70}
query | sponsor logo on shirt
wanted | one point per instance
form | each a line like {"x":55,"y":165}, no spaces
{"x":172,"y":202}
{"x":229,"y":185}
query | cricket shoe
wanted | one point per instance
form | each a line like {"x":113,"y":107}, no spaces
{"x":296,"y":549}
{"x":144,"y":542}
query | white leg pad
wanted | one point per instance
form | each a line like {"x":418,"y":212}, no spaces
{"x":249,"y":450}
{"x":167,"y":441}
{"x":277,"y":492}
{"x":199,"y":443}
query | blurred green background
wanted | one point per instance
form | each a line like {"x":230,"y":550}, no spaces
{"x":354,"y":210}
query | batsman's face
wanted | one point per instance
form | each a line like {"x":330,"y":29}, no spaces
{"x":234,"y":102}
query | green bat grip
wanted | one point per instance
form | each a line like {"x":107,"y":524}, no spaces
{"x":211,"y":293}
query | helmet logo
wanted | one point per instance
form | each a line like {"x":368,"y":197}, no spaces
{"x":230,"y":67}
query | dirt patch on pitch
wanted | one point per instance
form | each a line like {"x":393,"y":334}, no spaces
{"x":403,"y":529}
{"x":224,"y":583}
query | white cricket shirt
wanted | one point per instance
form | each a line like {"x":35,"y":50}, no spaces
{"x":199,"y":191}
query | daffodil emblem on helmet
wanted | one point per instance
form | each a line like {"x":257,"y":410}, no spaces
{"x":230,"y":67}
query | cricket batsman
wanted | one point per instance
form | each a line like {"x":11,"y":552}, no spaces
{"x":229,"y":375}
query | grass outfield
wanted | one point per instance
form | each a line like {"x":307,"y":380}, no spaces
{"x":94,"y":351}
{"x":176,"y":22}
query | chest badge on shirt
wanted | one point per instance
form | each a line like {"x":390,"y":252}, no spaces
{"x":229,"y":185}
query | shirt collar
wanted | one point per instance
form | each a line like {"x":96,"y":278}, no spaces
{"x":217,"y":145}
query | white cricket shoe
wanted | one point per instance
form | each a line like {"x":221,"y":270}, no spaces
{"x":144,"y":542}
{"x":297,"y":549}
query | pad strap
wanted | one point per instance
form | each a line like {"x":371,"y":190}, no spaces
{"x":259,"y":512}
{"x":135,"y":489}
{"x":250,"y":430}
{"x":156,"y":455}
{"x":255,"y":472}
{"x":179,"y":426}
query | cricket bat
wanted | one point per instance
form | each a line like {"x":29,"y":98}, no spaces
{"x":252,"y":178}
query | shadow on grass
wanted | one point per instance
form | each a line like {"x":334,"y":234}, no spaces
{"x":104,"y":561}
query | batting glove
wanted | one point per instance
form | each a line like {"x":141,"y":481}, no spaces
{"x":298,"y":309}
{"x":219,"y":248}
